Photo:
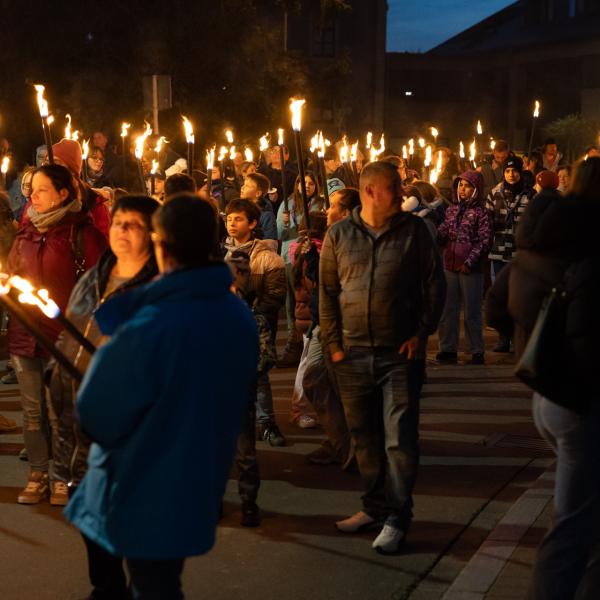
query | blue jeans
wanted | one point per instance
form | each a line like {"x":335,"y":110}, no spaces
{"x":383,"y":419}
{"x":567,"y":559}
{"x":468,"y":291}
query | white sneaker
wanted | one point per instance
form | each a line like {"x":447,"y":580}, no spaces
{"x":389,"y":540}
{"x":357,"y":522}
{"x":306,"y":422}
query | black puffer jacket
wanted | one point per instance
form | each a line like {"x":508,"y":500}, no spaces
{"x":72,"y":446}
{"x":379,"y":292}
{"x":554,"y":232}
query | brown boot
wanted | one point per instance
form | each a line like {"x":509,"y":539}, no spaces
{"x":7,"y":425}
{"x":59,"y":496}
{"x":35,"y":490}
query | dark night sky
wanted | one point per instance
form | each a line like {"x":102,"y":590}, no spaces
{"x":419,"y":25}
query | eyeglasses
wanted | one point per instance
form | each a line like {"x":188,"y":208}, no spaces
{"x":127,"y":225}
{"x":97,"y":158}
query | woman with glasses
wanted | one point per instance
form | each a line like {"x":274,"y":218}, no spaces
{"x":128,"y":262}
{"x":94,"y":174}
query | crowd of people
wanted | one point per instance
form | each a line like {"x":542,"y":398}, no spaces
{"x":188,"y":275}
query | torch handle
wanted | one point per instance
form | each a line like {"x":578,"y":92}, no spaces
{"x":302,"y":179}
{"x":209,"y":182}
{"x":48,"y":140}
{"x":283,"y":179}
{"x":531,"y":140}
{"x":321,"y":163}
{"x":141,"y":175}
{"x":75,"y":333}
{"x":42,"y":339}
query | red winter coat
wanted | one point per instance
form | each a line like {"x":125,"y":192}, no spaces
{"x":47,"y":260}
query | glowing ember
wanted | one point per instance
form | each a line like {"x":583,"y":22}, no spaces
{"x":296,"y":108}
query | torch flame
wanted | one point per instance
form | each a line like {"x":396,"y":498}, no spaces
{"x":461,"y":152}
{"x":50,"y":120}
{"x":210,"y":159}
{"x":536,"y":110}
{"x":68,"y":127}
{"x":421,"y":142}
{"x":75,"y":135}
{"x":232,"y":153}
{"x":314,"y":142}
{"x":492,"y":143}
{"x":472,"y":151}
{"x":369,"y":139}
{"x":263,"y":142}
{"x":124,"y":128}
{"x":154,"y":167}
{"x":248,"y":154}
{"x":189,"y":131}
{"x":223,"y":153}
{"x":42,"y":104}
{"x":141,"y":140}
{"x":411,"y":146}
{"x":354,"y":152}
{"x":344,"y":150}
{"x":86,"y":149}
{"x":434,"y":132}
{"x":479,"y":128}
{"x":321,"y":145}
{"x":159,"y":143}
{"x":28,"y":295}
{"x":229,"y":136}
{"x":428,"y":156}
{"x":404,"y":152}
{"x":296,"y":108}
{"x":280,"y":137}
{"x":4,"y":167}
{"x":381,"y":145}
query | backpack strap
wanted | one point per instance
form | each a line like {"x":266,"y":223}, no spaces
{"x":76,"y":240}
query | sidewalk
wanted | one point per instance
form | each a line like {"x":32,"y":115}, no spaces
{"x":480,"y":455}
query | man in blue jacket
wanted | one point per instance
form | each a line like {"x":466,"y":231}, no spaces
{"x":161,"y":408}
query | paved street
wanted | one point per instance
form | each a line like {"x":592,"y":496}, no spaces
{"x":482,"y":503}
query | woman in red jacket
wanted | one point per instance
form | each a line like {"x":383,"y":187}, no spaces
{"x":55,"y":245}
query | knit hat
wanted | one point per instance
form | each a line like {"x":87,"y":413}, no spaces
{"x":334,"y":184}
{"x":513,"y":162}
{"x":547,"y":180}
{"x":68,"y":152}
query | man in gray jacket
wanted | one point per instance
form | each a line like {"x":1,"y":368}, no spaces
{"x":382,"y":293}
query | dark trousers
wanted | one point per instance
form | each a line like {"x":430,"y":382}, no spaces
{"x":383,"y":418}
{"x":245,"y":456}
{"x":568,"y":560}
{"x":156,"y":579}
{"x":106,"y":573}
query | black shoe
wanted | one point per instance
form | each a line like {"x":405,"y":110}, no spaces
{"x":271,"y":434}
{"x":477,"y":359}
{"x":450,"y":358}
{"x":250,"y":515}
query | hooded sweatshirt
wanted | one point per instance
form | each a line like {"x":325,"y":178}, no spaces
{"x":466,"y":233}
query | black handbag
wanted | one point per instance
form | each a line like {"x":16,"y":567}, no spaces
{"x":546,"y":365}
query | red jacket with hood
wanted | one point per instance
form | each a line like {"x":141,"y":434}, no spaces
{"x":48,"y":260}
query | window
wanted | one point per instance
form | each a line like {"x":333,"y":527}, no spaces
{"x":323,"y":40}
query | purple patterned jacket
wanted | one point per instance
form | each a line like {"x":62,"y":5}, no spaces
{"x":466,"y":233}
